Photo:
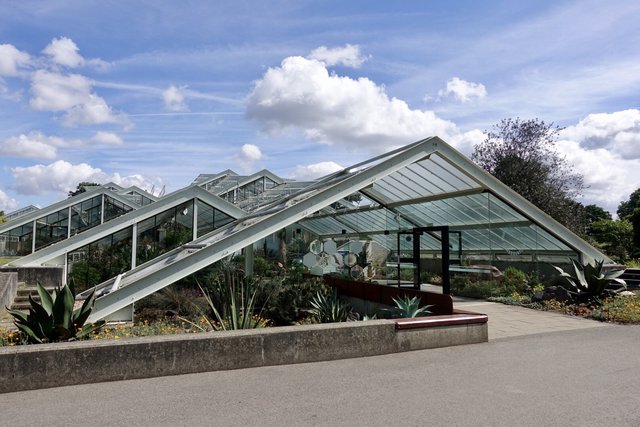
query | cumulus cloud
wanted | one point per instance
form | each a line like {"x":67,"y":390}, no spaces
{"x":463,"y":90}
{"x":7,"y":203}
{"x":618,"y":131}
{"x":174,"y":98}
{"x":65,"y":52}
{"x":35,"y":145}
{"x":11,"y":60}
{"x":249,"y":154}
{"x":62,"y":176}
{"x":74,"y":95}
{"x":302,"y":94}
{"x":466,"y":142}
{"x":609,"y":177}
{"x":349,"y":55}
{"x":106,"y":138}
{"x":316,"y":170}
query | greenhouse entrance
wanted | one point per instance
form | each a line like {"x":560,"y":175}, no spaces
{"x":409,"y":250}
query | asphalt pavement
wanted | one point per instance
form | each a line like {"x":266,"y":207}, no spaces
{"x":578,"y":377}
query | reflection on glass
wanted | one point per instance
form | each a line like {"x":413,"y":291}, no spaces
{"x":101,"y":260}
{"x":114,"y":208}
{"x":51,"y":228}
{"x":17,"y":241}
{"x":86,"y":214}
{"x":163,"y":232}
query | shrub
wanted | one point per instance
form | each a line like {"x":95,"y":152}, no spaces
{"x":514,"y":280}
{"x":290,"y":300}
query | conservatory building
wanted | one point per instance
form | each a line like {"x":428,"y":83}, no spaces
{"x":398,"y":219}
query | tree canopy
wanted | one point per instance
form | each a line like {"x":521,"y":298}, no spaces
{"x":522,"y":154}
{"x":626,"y":208}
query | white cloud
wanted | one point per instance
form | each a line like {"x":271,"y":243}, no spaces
{"x":106,"y":138}
{"x":62,"y":176}
{"x":72,"y":94}
{"x":610,"y":178}
{"x":12,"y":59}
{"x":7,"y":203}
{"x":301,"y":93}
{"x":174,"y":98}
{"x":316,"y":170}
{"x":618,"y":132}
{"x":349,"y":55}
{"x":35,"y":145}
{"x":249,"y":154}
{"x":463,"y":90}
{"x":466,"y":142}
{"x":65,"y":52}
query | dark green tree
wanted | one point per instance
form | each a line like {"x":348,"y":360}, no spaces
{"x":626,"y":208}
{"x":635,"y":222}
{"x":81,"y":188}
{"x":522,"y":154}
{"x":614,"y":237}
{"x":2,"y":217}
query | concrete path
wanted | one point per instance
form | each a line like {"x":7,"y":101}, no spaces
{"x":511,"y":321}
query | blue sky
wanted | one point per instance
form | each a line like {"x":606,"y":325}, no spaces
{"x":152,"y":93}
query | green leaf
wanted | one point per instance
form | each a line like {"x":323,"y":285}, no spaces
{"x":63,"y":309}
{"x":45,"y":299}
{"x":31,"y":336}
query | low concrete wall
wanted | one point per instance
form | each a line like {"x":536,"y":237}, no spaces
{"x":8,"y":289}
{"x":53,"y":365}
{"x":46,"y":276}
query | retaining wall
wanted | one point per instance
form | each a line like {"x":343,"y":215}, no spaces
{"x":8,"y":289}
{"x":53,"y":365}
{"x":46,"y":276}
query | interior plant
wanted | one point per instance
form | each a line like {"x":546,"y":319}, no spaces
{"x":592,"y":280}
{"x":410,"y":307}
{"x":54,"y":318}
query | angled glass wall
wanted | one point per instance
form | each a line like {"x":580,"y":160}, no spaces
{"x":101,"y":260}
{"x":210,"y":218}
{"x":114,"y":208}
{"x":163,"y":232}
{"x":17,"y":241}
{"x":86,"y":214}
{"x":52,"y":228}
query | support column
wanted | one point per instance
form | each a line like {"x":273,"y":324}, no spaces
{"x":248,"y":261}
{"x":134,"y":244}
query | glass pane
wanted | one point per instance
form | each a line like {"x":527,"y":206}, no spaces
{"x":51,"y":228}
{"x":86,"y":214}
{"x":17,"y":241}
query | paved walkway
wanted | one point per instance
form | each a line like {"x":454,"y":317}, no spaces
{"x":512,"y":321}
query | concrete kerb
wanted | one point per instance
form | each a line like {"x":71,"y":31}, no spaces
{"x":53,"y":365}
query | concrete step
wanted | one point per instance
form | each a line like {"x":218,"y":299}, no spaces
{"x":21,"y":301}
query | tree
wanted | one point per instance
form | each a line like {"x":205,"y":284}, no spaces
{"x":3,"y":219}
{"x":625,"y":209}
{"x":522,"y":154}
{"x":81,"y":188}
{"x":614,"y":237}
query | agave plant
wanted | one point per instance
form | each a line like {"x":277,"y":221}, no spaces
{"x":234,"y":299}
{"x":53,"y":318}
{"x":330,"y":309}
{"x":410,"y":307}
{"x":591,"y":281}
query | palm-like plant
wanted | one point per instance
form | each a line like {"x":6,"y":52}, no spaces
{"x":54,"y":318}
{"x":591,"y":281}
{"x":410,"y":307}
